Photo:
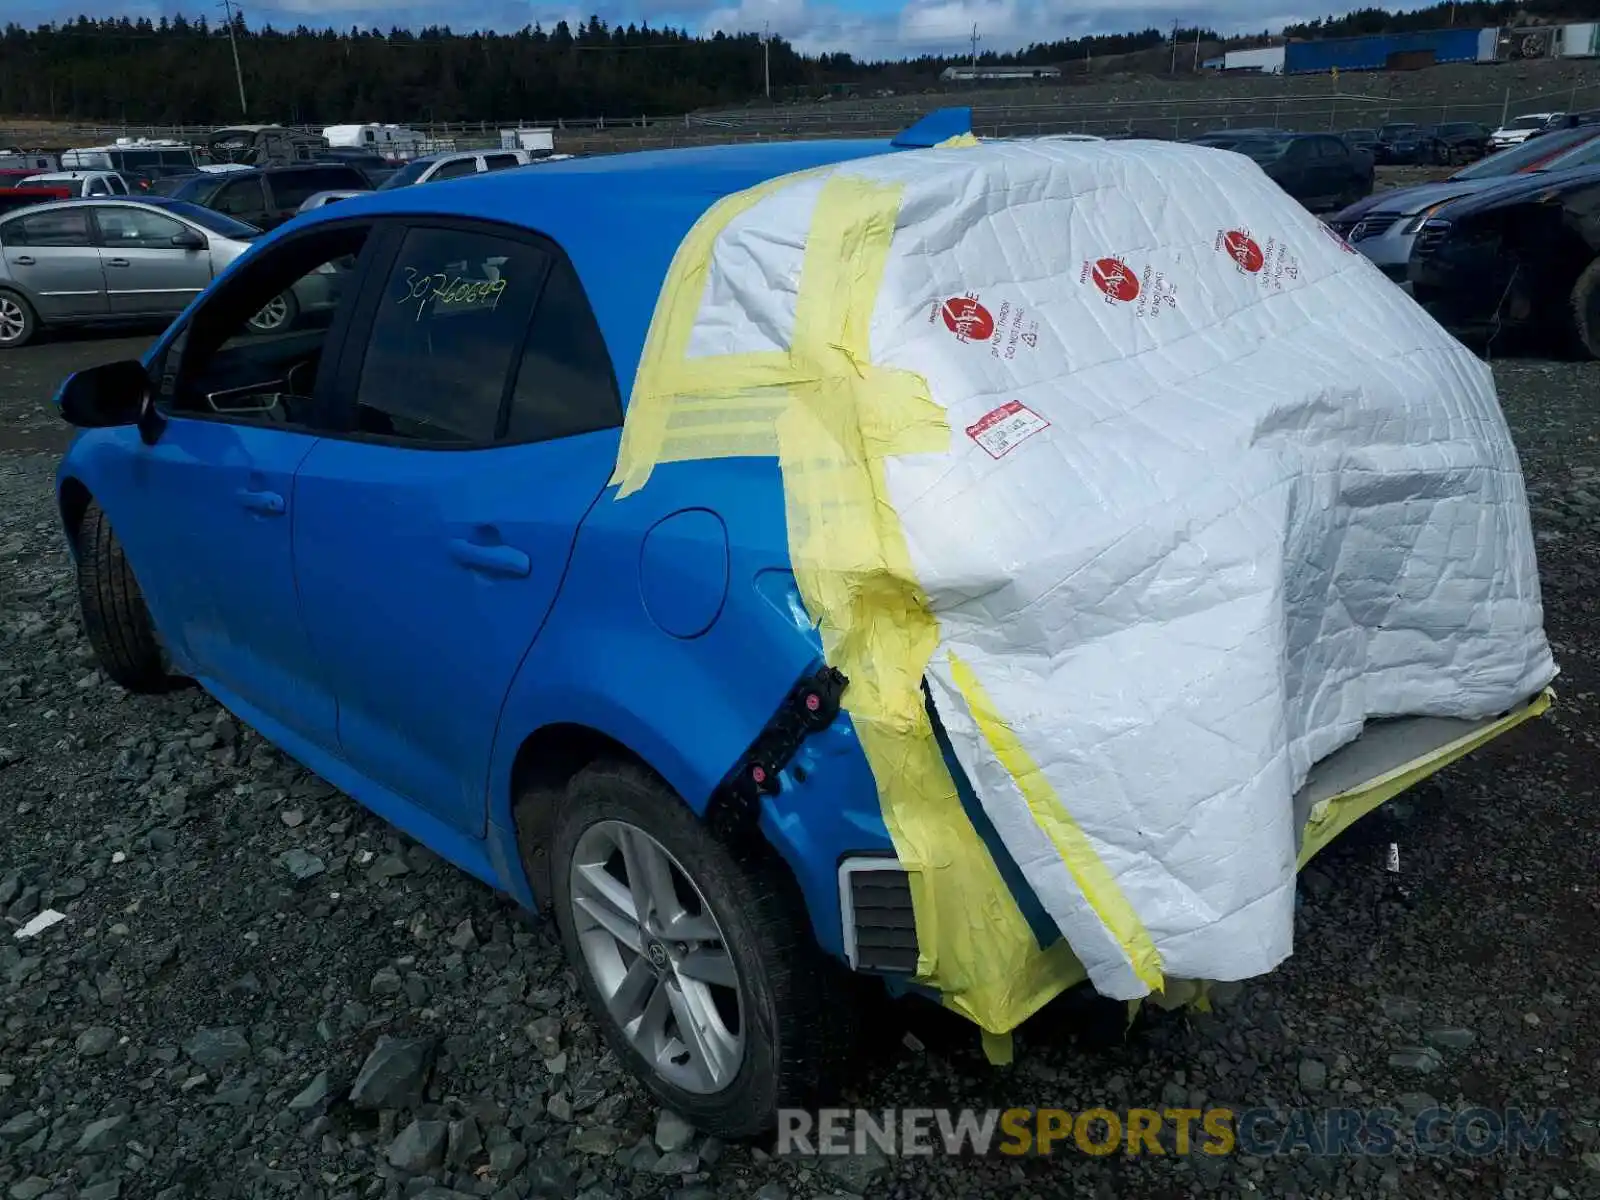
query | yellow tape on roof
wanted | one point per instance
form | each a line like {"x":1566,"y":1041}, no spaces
{"x":832,"y":417}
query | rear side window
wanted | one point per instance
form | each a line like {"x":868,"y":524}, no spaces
{"x":240,"y":198}
{"x":565,"y":384}
{"x":499,"y":162}
{"x":291,"y":189}
{"x":455,"y":169}
{"x":56,"y":228}
{"x":448,"y":329}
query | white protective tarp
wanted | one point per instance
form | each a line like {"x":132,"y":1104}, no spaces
{"x":1217,"y":493}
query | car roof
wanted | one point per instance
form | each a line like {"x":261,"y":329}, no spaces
{"x":619,"y":217}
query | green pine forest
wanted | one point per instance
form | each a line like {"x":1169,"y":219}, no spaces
{"x":178,"y":71}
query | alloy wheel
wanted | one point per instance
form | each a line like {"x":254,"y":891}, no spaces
{"x":658,"y":957}
{"x":272,"y":315}
{"x":13,"y":321}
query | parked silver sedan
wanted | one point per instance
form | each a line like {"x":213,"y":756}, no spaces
{"x":102,"y":262}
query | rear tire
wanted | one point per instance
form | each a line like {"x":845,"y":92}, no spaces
{"x":114,"y":615}
{"x":19,"y":324}
{"x":795,"y":1027}
{"x":1584,"y":306}
{"x":277,"y":315}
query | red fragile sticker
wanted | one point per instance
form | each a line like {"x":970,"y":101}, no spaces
{"x":1245,"y":251}
{"x":1116,"y":279}
{"x":1001,"y":431}
{"x":967,"y":319}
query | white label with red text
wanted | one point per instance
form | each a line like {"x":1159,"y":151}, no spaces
{"x":1001,"y":431}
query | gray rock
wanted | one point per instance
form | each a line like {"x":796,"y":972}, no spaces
{"x":546,"y":1036}
{"x":677,"y":1162}
{"x":549,"y":1178}
{"x":99,"y":1136}
{"x":1450,"y":1039}
{"x":388,"y":867}
{"x":1422,"y":1059}
{"x":466,"y":1140}
{"x":505,"y":1158}
{"x":420,"y":1147}
{"x":1399,"y":1008}
{"x":302,"y":864}
{"x":855,"y":1171}
{"x":599,"y":1139}
{"x":21,"y":1127}
{"x":385,"y":983}
{"x":109,"y":1190}
{"x":393,"y":1075}
{"x":96,"y":1040}
{"x":672,"y":1131}
{"x":1313,"y":1075}
{"x":560,"y":1107}
{"x":214,"y":1049}
{"x":30,"y":1188}
{"x":463,"y":937}
{"x":312,"y":1095}
{"x":771,"y":1191}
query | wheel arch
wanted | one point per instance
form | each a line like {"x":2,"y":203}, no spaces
{"x":546,"y":761}
{"x":72,"y":500}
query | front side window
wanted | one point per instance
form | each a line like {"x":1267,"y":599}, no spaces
{"x":135,"y":229}
{"x":240,"y":198}
{"x":451,"y":322}
{"x":59,"y":227}
{"x":253,"y":349}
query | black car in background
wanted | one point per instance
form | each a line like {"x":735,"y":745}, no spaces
{"x":1457,"y":142}
{"x":1318,"y":169}
{"x":1400,"y":142}
{"x":1364,"y":140}
{"x":266,"y":197}
{"x":1522,"y":255}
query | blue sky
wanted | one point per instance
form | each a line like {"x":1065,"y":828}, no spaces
{"x":867,"y":28}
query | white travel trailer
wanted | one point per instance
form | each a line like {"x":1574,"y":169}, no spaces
{"x":538,"y":142}
{"x":391,"y":141}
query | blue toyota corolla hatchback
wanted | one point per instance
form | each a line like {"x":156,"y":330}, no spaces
{"x":378,"y":535}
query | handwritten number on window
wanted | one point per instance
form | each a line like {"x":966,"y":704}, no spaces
{"x":449,"y":291}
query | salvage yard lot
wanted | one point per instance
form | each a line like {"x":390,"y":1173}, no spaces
{"x":236,"y":932}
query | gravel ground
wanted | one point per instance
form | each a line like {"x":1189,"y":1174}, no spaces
{"x":259,"y":989}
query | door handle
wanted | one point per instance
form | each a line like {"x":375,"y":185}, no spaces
{"x":23,"y":260}
{"x":116,"y":262}
{"x":268,"y":504}
{"x":491,"y":560}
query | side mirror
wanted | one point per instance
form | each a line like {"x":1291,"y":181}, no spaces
{"x":189,"y":240}
{"x":112,"y":394}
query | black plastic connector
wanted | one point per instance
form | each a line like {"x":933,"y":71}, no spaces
{"x":811,"y":706}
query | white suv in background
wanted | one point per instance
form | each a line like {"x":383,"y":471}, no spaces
{"x":83,"y":183}
{"x":1519,"y":129}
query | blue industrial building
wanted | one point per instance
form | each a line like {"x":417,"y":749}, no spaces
{"x":1391,"y":51}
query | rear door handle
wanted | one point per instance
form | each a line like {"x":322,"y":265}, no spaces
{"x":268,"y":504}
{"x":23,"y":260}
{"x":491,"y":560}
{"x":117,"y":262}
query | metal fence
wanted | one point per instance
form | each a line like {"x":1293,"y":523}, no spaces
{"x":1157,"y":116}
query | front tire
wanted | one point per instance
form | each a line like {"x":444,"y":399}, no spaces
{"x":1584,"y":306}
{"x":717,"y":999}
{"x":18,"y":322}
{"x":114,"y":615}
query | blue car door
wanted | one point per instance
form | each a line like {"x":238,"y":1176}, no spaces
{"x":206,"y":512}
{"x":433,"y":533}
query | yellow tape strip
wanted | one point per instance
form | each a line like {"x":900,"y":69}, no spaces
{"x":832,"y":417}
{"x":1089,"y":874}
{"x":1333,"y":816}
